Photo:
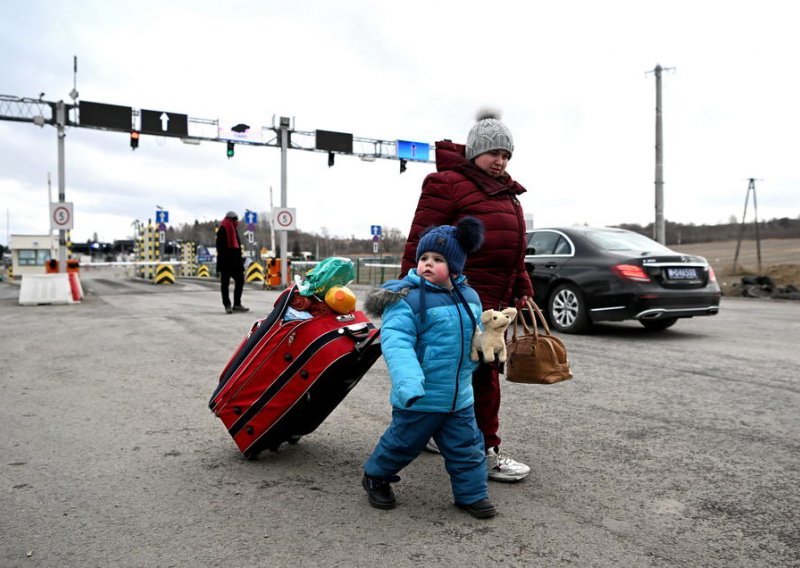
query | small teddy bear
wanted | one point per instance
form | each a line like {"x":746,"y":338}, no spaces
{"x":492,"y":340}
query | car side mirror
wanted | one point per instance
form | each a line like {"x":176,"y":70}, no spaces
{"x":530,"y":251}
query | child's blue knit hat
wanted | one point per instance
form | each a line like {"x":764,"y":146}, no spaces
{"x":453,"y":243}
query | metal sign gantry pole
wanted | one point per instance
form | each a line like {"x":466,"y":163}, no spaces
{"x":284,"y":132}
{"x":61,"y":119}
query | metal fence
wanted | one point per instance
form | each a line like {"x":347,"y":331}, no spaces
{"x":369,"y":270}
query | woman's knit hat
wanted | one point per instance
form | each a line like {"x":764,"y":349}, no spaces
{"x":453,"y":243}
{"x":488,"y":134}
{"x":232,"y":215}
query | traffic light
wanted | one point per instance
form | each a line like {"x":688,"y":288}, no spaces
{"x":403,"y":165}
{"x":134,"y":139}
{"x":330,"y":159}
{"x":230,"y":150}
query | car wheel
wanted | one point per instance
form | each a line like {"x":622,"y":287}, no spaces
{"x":658,"y":324}
{"x":566,"y":310}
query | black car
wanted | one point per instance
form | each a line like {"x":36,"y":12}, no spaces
{"x":583,"y":275}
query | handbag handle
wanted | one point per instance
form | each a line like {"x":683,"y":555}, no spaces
{"x":535,"y":313}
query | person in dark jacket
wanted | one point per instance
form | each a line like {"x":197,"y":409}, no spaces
{"x":426,"y":335}
{"x":230,"y":262}
{"x":472,"y":180}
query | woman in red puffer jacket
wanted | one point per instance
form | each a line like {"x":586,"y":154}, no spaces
{"x":472,"y":181}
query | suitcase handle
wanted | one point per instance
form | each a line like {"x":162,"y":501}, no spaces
{"x":356,"y":332}
{"x":359,"y":333}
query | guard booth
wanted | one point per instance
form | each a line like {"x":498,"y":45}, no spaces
{"x":30,"y":254}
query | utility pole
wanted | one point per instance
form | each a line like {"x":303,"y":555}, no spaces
{"x":750,"y":187}
{"x":659,"y":232}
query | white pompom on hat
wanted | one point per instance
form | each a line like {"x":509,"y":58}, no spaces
{"x":488,"y":134}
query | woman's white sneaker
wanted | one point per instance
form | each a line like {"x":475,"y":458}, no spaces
{"x":503,"y":468}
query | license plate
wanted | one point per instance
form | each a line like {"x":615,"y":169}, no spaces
{"x":681,"y":273}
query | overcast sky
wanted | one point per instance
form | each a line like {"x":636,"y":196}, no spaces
{"x":570,"y":78}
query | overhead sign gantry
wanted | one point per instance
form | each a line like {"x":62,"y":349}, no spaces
{"x":119,"y":118}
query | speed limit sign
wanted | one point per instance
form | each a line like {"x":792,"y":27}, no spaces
{"x":61,"y":216}
{"x":284,"y":218}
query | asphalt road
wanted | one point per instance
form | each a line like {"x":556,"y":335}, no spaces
{"x":677,"y":448}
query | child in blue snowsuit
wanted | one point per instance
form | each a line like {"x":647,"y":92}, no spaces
{"x":428,"y":321}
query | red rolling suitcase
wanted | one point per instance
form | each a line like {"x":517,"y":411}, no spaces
{"x":286,"y":377}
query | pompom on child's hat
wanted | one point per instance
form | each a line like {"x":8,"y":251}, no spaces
{"x":453,"y":243}
{"x":231,"y":215}
{"x":488,"y":134}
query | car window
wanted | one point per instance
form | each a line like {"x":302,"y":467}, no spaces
{"x":624,"y":241}
{"x":546,"y":242}
{"x":562,"y":246}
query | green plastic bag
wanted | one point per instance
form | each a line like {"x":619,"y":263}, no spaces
{"x":331,"y":271}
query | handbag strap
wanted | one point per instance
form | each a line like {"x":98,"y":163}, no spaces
{"x":525,"y":328}
{"x":536,"y":313}
{"x":535,"y":310}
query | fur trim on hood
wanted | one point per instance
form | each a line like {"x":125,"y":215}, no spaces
{"x":379,"y":298}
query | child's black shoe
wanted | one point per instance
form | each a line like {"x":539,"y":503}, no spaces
{"x":482,"y":509}
{"x":379,"y":490}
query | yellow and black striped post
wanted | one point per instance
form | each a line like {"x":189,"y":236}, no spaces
{"x":165,"y":274}
{"x":189,"y":259}
{"x":255,"y":273}
{"x":137,"y":254}
{"x":202,"y":271}
{"x":151,"y":251}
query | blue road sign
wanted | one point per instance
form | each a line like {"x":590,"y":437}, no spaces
{"x":375,"y":230}
{"x":250,"y":217}
{"x":409,"y":150}
{"x":162,"y":216}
